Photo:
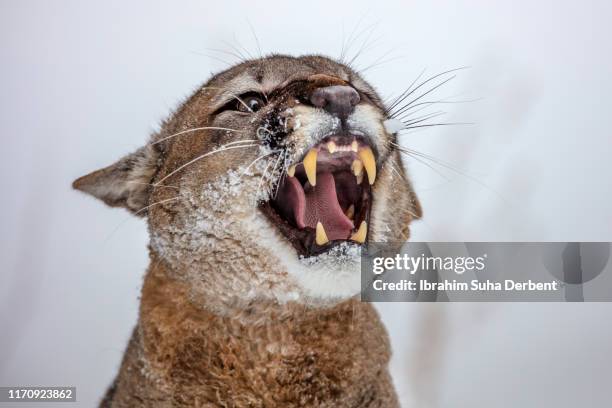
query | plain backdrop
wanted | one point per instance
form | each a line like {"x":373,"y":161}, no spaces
{"x":84,"y":82}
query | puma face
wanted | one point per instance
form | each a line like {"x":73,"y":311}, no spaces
{"x":267,"y":182}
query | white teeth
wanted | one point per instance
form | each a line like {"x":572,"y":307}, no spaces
{"x":321,"y":237}
{"x":360,"y":235}
{"x":331,"y":146}
{"x":367,"y":158}
{"x":310,"y":166}
{"x":350,"y":212}
{"x":354,"y":146}
{"x":291,"y":171}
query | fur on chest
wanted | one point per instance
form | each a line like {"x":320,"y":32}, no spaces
{"x":266,"y":356}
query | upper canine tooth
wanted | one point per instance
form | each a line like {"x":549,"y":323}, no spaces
{"x":354,"y":146}
{"x":357,"y":167}
{"x":331,"y":146}
{"x":321,"y":237}
{"x":360,"y":235}
{"x":310,"y":166}
{"x":291,"y":170}
{"x":367,"y":157}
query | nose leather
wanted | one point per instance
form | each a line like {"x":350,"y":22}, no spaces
{"x":339,"y":100}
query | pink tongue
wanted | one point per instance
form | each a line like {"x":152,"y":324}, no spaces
{"x":322,"y":205}
{"x":318,"y":204}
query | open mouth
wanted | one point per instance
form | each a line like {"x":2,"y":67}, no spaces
{"x":325,"y":199}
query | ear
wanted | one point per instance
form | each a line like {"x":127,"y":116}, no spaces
{"x":126,"y":183}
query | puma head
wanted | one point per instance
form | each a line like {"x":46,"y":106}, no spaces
{"x":267,"y":181}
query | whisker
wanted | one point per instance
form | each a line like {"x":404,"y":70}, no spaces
{"x":378,"y":62}
{"x":193,"y":130}
{"x":152,"y":185}
{"x":257,"y":159}
{"x":349,"y":42}
{"x":415,"y":157}
{"x":276,"y":164}
{"x":264,"y":174}
{"x":426,"y":156}
{"x":156,"y":203}
{"x":256,"y":39}
{"x":283,"y":174}
{"x":393,"y":167}
{"x":412,"y":153}
{"x":423,"y":84}
{"x":232,"y":95}
{"x":230,"y":53}
{"x":399,"y":98}
{"x":441,"y":101}
{"x":236,"y":49}
{"x":406,"y":106}
{"x":423,"y":118}
{"x":438,"y":124}
{"x":213,"y":57}
{"x":248,"y":53}
{"x":219,"y":150}
{"x":365,"y":45}
{"x":247,"y":169}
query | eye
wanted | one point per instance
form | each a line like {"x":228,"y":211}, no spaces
{"x":250,"y":103}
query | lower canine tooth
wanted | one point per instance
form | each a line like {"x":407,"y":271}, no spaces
{"x":350,"y":212}
{"x":321,"y":237}
{"x":359,"y":178}
{"x":291,"y":171}
{"x":357,"y":167}
{"x":367,"y":157}
{"x":331,"y":146}
{"x":310,"y":166}
{"x":361,"y":233}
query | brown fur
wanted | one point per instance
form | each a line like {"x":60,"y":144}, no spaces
{"x":264,"y":357}
{"x":227,"y":318}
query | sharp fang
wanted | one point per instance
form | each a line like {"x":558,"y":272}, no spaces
{"x":367,"y":157}
{"x":360,"y":235}
{"x":357,"y":167}
{"x":350,"y":212}
{"x":354,"y":146}
{"x":310,"y":166}
{"x":359,"y":178}
{"x":331,"y":146}
{"x":321,"y":238}
{"x":291,"y":170}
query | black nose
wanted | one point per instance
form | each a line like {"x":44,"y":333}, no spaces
{"x":339,"y":100}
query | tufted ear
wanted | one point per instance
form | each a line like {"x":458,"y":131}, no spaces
{"x":123,"y":184}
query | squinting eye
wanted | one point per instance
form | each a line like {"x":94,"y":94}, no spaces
{"x":250,"y":104}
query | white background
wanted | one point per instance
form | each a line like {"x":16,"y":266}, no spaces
{"x":83,"y":83}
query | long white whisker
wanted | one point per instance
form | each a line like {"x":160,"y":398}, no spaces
{"x":276,"y":163}
{"x":393,"y":167}
{"x":193,"y":130}
{"x":232,"y":95}
{"x":156,"y":203}
{"x":221,"y":149}
{"x":265,"y":173}
{"x":256,"y":160}
{"x":283,"y":174}
{"x":152,"y":185}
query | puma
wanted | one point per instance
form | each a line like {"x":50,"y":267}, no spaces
{"x":259,"y":193}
